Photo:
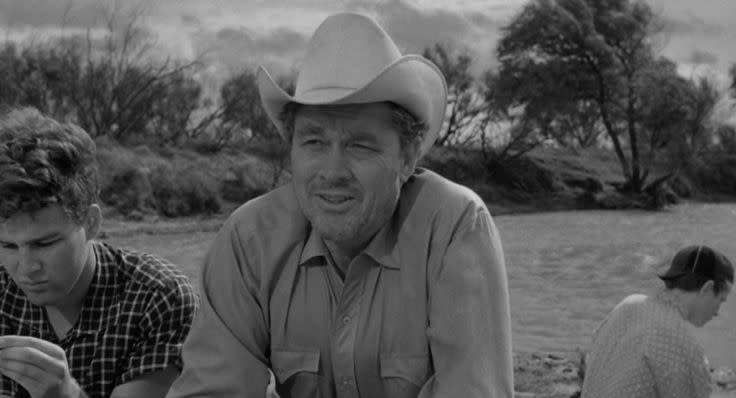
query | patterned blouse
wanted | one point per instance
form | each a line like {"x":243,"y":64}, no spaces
{"x":646,"y":349}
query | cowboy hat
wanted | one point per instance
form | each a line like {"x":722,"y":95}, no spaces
{"x":352,"y":60}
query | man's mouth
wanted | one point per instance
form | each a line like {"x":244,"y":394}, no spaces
{"x":334,"y":198}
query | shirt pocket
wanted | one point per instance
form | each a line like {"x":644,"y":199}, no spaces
{"x":403,"y":375}
{"x":296,"y":372}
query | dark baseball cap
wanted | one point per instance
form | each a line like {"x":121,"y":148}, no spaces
{"x":700,"y":260}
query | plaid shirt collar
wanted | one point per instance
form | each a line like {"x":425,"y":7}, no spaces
{"x":99,"y":303}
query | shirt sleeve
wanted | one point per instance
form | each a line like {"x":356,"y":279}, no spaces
{"x":168,"y":318}
{"x":469,"y":322}
{"x":677,"y":365}
{"x":225,"y":352}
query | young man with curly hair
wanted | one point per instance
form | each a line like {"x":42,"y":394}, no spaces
{"x":78,"y":318}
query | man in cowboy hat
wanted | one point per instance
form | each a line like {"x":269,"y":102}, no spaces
{"x":365,"y":276}
{"x":646,"y":347}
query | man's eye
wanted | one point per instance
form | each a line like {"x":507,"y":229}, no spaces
{"x":364,"y":147}
{"x":313,"y":142}
{"x":46,"y":243}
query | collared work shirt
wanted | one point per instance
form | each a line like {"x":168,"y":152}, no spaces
{"x":136,"y":314}
{"x":422,"y":312}
{"x":646,"y":349}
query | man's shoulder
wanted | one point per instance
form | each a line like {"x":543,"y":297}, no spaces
{"x":275,"y":214}
{"x":139,"y":271}
{"x":435,"y":193}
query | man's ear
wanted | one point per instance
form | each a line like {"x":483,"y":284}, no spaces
{"x":409,"y":159}
{"x":92,"y":221}
{"x":708,"y":288}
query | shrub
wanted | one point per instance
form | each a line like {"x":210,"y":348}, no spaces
{"x":184,"y":192}
{"x":129,"y":191}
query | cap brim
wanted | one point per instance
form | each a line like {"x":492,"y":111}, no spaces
{"x":411,"y":82}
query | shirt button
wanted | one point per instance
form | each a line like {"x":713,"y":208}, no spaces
{"x":345,"y":320}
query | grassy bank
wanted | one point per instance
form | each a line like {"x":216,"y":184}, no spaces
{"x":144,"y":183}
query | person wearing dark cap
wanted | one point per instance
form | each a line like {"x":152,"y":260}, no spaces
{"x":646,"y":346}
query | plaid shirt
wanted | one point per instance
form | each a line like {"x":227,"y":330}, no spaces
{"x":137,"y":312}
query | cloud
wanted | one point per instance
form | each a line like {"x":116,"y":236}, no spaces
{"x":699,"y":56}
{"x":691,"y":24}
{"x":48,"y":14}
{"x":415,"y":28}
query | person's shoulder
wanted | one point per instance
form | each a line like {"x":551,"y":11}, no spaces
{"x":436,"y":193}
{"x":632,"y":301}
{"x":275,"y":212}
{"x":139,"y":271}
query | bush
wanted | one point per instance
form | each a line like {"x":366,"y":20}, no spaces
{"x":129,"y":191}
{"x":184,"y":192}
{"x":716,"y":174}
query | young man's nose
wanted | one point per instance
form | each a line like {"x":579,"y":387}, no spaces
{"x":27,"y":261}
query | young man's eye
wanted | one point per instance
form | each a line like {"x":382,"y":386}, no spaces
{"x":312,"y":142}
{"x":8,"y":246}
{"x":46,"y":243}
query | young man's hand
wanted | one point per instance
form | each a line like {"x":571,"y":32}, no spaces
{"x":39,"y":366}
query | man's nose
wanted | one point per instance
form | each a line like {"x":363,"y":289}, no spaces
{"x":336,"y":165}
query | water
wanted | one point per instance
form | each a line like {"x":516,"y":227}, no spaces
{"x":567,"y":270}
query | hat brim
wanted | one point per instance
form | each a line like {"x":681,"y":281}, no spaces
{"x":411,"y":82}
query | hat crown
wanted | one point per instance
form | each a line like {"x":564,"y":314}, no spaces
{"x":346,"y":52}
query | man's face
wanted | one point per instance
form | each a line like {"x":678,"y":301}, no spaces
{"x":44,"y":253}
{"x":708,"y":303}
{"x":348,"y":167}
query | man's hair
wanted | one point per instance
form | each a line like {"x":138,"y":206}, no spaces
{"x":691,"y":282}
{"x":409,"y":127}
{"x":44,"y":162}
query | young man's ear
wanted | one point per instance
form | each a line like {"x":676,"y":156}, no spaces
{"x":92,"y":221}
{"x":708,"y":288}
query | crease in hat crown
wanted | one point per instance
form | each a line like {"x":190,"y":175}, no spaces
{"x":350,"y":59}
{"x":366,"y":47}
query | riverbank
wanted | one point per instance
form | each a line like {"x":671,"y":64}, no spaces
{"x":148,"y":184}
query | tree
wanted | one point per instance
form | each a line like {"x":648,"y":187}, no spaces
{"x":463,"y":103}
{"x":241,"y":106}
{"x":591,"y":52}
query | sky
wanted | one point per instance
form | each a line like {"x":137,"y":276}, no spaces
{"x":233,"y":34}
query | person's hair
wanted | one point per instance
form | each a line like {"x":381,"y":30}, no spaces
{"x":409,"y":127}
{"x":690,"y":282}
{"x":44,"y":162}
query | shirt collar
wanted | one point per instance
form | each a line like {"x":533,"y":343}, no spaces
{"x":15,"y":306}
{"x":669,"y":300}
{"x":381,"y":248}
{"x":99,"y":299}
{"x":102,"y":292}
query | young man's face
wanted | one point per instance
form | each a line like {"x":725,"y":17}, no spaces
{"x":45,"y":252}
{"x":708,"y":303}
{"x":348,"y":167}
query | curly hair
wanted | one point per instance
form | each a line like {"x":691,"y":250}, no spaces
{"x":44,"y":162}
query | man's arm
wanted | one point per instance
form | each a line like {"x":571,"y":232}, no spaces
{"x":469,"y":327}
{"x":225,"y":352}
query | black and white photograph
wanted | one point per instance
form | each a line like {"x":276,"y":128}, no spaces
{"x":367,"y":198}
